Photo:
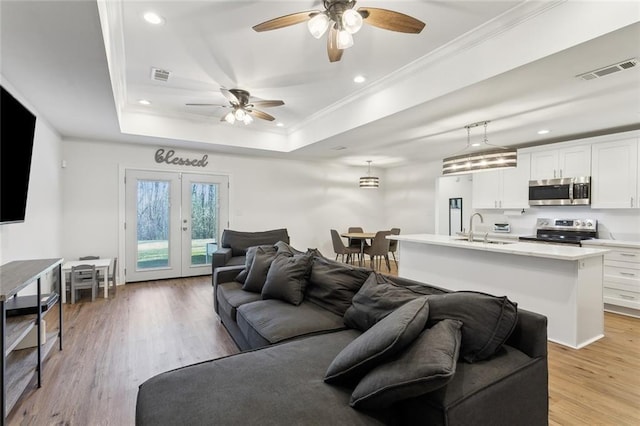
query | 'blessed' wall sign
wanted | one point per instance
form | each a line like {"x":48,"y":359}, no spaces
{"x":170,"y":158}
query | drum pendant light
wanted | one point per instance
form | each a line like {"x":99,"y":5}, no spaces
{"x":369,"y":181}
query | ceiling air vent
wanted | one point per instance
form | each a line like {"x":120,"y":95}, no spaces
{"x":610,"y":69}
{"x":159,"y":75}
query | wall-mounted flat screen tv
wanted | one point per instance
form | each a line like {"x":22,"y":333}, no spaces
{"x":17,"y":127}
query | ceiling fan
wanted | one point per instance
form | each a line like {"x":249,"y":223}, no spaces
{"x":342,"y":20}
{"x":242,"y":109}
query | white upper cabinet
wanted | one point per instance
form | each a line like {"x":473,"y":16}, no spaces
{"x":503,"y":189}
{"x":615,"y":181}
{"x":557,"y":163}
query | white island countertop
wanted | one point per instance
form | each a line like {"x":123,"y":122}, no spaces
{"x":613,"y":243}
{"x":505,"y":245}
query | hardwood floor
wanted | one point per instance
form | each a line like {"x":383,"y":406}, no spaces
{"x":113,"y":345}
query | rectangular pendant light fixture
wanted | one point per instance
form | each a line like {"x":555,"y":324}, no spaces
{"x":500,"y":158}
{"x":480,"y":161}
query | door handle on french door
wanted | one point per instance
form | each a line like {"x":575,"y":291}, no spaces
{"x":184,"y":228}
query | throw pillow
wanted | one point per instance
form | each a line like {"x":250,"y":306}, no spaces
{"x":257,"y":274}
{"x":388,"y":337}
{"x":333,"y":284}
{"x":283,"y":247}
{"x":378,"y":297}
{"x":251,"y":253}
{"x":287,"y":278}
{"x":487,"y":320}
{"x":428,"y":364}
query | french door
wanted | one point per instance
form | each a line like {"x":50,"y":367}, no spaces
{"x":173,"y":223}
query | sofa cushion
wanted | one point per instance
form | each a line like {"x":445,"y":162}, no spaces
{"x":260,"y":264}
{"x":280,"y":385}
{"x":287,"y":278}
{"x":285,"y":247}
{"x":487,"y":320}
{"x":427,"y":364}
{"x":378,"y":297}
{"x":231,"y":295}
{"x":248,"y":260}
{"x":332,"y":284}
{"x":271,"y":321}
{"x":240,"y":241}
{"x":385,"y":339}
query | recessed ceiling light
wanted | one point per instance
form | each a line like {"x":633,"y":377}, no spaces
{"x":144,"y":102}
{"x":543,"y":131}
{"x":359,"y":79}
{"x":153,"y":18}
{"x":339,"y":148}
{"x":280,"y":124}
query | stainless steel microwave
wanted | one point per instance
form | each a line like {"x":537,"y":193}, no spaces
{"x":560,"y":192}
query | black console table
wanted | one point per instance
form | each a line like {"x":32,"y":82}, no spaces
{"x":17,"y":367}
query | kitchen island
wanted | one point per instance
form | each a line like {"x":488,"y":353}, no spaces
{"x":559,"y":281}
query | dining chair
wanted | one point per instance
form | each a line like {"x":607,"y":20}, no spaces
{"x":82,"y":277}
{"x":393,"y":244}
{"x":357,"y":242}
{"x":340,"y":249}
{"x":378,"y":250}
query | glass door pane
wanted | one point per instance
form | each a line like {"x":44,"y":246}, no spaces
{"x":204,"y":215}
{"x":152,"y":249}
{"x":152,"y":233}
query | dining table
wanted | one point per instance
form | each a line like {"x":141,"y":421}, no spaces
{"x":101,"y":264}
{"x":362,"y":236}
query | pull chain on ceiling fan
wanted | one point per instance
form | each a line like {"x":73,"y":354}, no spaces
{"x":342,"y":20}
{"x":242,"y":108}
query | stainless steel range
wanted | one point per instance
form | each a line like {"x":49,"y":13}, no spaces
{"x":563,"y":231}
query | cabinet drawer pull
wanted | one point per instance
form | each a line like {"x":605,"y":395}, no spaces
{"x":628,"y":274}
{"x":628,"y":254}
{"x":624,"y":296}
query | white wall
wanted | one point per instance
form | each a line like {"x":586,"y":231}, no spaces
{"x":39,"y":236}
{"x":307,"y":198}
{"x":452,"y":187}
{"x":410,"y":197}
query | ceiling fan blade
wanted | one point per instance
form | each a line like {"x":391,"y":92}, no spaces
{"x":261,"y":114}
{"x":390,"y":20}
{"x":285,"y":21}
{"x":335,"y":54}
{"x":267,"y":104}
{"x":230,"y":96}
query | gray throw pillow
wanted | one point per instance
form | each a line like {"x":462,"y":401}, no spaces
{"x":283,"y":247}
{"x":487,"y":320}
{"x":378,"y":297}
{"x":259,"y":267}
{"x":426,"y":365}
{"x":385,"y":339}
{"x":332,"y":284}
{"x":287,"y":278}
{"x":251,"y":253}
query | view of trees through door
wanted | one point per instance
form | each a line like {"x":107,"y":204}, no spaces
{"x":173,"y":223}
{"x":153,"y":223}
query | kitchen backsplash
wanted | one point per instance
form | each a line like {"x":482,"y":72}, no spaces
{"x":623,"y":224}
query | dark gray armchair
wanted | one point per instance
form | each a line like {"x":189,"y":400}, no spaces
{"x":234,"y":245}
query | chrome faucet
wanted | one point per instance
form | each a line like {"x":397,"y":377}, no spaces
{"x":471,"y":224}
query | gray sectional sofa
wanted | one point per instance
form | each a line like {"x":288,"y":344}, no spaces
{"x":341,"y":345}
{"x":234,"y":245}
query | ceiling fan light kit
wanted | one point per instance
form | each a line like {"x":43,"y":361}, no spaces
{"x":243,"y":109}
{"x":494,"y":159}
{"x":369,"y":182}
{"x":342,"y":21}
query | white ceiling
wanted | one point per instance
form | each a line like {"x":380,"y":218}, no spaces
{"x":511,"y":62}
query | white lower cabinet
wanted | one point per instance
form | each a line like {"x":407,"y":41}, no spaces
{"x":621,"y":281}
